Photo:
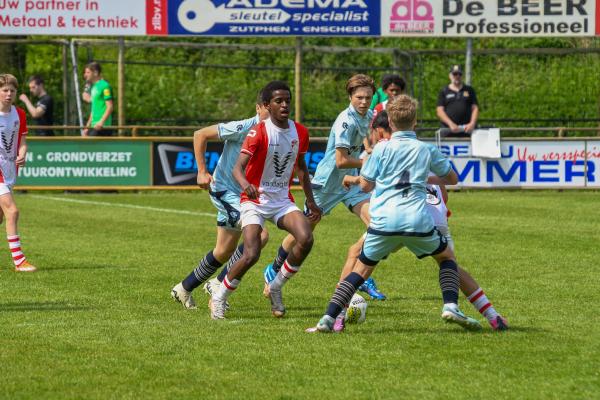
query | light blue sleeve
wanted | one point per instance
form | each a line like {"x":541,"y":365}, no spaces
{"x":235,"y":130}
{"x":371,"y":169}
{"x":440,"y":165}
{"x":343,"y":131}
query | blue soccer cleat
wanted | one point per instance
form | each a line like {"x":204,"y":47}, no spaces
{"x":269,"y":275}
{"x":370,"y":288}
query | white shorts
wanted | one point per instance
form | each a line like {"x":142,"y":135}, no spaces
{"x":5,"y":189}
{"x":257,"y":214}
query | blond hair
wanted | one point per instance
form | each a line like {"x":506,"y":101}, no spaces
{"x":359,"y":80}
{"x":402,"y":111}
{"x":8,"y":80}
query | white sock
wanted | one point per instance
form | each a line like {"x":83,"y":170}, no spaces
{"x":482,"y":304}
{"x":286,"y":272}
{"x":227,"y":288}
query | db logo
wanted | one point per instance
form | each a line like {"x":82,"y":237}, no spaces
{"x":412,"y":10}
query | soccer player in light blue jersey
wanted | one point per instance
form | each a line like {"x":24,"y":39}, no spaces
{"x":224,"y":193}
{"x":398,"y":172}
{"x":341,"y":158}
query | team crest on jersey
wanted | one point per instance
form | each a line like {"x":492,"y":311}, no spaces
{"x":345,"y":125}
{"x":281,"y":162}
{"x":432,"y":196}
{"x":107,"y":92}
{"x":239,"y":128}
{"x":466,"y":94}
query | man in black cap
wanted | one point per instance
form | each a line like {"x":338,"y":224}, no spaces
{"x":457,"y":106}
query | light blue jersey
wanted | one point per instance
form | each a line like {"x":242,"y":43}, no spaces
{"x":399,"y":168}
{"x":348,"y":132}
{"x":232,"y":134}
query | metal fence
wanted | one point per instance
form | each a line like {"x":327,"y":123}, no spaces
{"x":194,"y":83}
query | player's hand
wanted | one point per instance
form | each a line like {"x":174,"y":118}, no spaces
{"x":20,"y":161}
{"x":23,"y":98}
{"x":85,"y":132}
{"x":98,"y":126}
{"x":204,"y":179}
{"x":350,"y":181}
{"x":453,"y":127}
{"x":314,"y":211}
{"x":469,"y":127}
{"x":251,"y":191}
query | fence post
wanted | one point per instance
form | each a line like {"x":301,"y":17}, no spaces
{"x":469,"y":61}
{"x":298,"y":79}
{"x":121,"y":82}
{"x":65,"y":85}
{"x":76,"y":83}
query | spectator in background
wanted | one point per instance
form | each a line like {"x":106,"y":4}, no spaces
{"x":457,"y":106}
{"x":43,"y":111}
{"x":380,"y":94}
{"x":101,"y":99}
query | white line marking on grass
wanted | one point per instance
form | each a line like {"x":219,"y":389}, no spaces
{"x":124,"y":205}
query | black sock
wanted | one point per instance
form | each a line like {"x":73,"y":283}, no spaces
{"x":206,"y":267}
{"x":237,"y":254}
{"x":343,"y":294}
{"x":449,"y":281}
{"x":279,"y":259}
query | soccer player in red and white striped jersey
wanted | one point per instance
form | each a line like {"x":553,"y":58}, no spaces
{"x":13,"y":131}
{"x":271,"y":152}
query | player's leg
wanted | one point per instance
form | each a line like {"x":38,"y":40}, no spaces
{"x":294,"y":222}
{"x":448,"y":278}
{"x":11,"y":214}
{"x":251,"y":232}
{"x":361,"y":209}
{"x":208,"y":265}
{"x":374,"y":249}
{"x":473,"y":292}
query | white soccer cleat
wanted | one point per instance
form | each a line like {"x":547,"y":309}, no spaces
{"x":325,"y":325}
{"x":217,"y":308}
{"x":453,"y":314}
{"x":179,"y":294}
{"x":211,"y":287}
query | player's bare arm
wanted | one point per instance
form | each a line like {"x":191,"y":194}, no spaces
{"x":201,"y":138}
{"x":20,"y":160}
{"x":344,"y":160}
{"x":350,"y":180}
{"x":240,"y":176}
{"x":366,"y":185}
{"x":304,"y":178}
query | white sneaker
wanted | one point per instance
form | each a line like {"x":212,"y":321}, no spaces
{"x":179,"y":294}
{"x":211,"y":287}
{"x":217,"y":308}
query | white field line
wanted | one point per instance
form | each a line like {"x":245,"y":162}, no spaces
{"x":124,"y":205}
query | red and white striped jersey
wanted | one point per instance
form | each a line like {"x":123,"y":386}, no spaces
{"x":273,"y":154}
{"x":13,"y":125}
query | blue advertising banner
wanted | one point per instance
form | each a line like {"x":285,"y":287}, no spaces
{"x":274,"y":17}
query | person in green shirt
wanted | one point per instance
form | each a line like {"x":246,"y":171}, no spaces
{"x":380,"y":96}
{"x":100,"y":96}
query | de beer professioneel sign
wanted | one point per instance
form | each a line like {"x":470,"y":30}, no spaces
{"x":432,"y":18}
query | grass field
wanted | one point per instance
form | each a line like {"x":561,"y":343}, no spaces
{"x":97,"y":321}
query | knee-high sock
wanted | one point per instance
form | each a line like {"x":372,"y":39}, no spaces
{"x":343,"y":294}
{"x":280,"y":258}
{"x":285,"y":273}
{"x":449,"y":281}
{"x":237,"y":254}
{"x":206,"y":267}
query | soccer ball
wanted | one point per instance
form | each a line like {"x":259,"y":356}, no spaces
{"x":357,"y":310}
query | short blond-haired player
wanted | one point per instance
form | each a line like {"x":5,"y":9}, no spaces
{"x":398,"y":172}
{"x":13,"y":147}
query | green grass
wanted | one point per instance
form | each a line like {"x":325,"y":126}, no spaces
{"x":97,"y":321}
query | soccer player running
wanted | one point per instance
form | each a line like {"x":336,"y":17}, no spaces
{"x":398,"y":171}
{"x":341,"y":158}
{"x":13,"y":147}
{"x":264,"y":170}
{"x":224,"y":193}
{"x":437,"y":198}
